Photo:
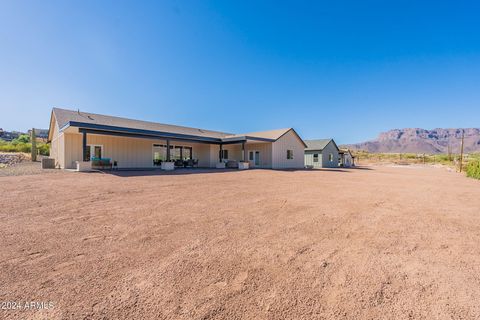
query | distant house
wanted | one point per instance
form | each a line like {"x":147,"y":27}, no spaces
{"x":80,"y":137}
{"x":346,"y":158}
{"x":322,"y":153}
{"x":39,"y":133}
{"x":9,"y":136}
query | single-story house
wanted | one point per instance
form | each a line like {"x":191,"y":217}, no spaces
{"x":321,"y":153}
{"x":346,"y":158}
{"x":77,"y":136}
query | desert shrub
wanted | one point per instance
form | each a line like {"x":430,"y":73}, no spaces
{"x":473,"y":169}
{"x":23,"y":138}
{"x":43,"y":149}
{"x":17,"y":147}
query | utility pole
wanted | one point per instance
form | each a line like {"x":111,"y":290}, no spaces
{"x":461,"y":151}
{"x":33,"y":140}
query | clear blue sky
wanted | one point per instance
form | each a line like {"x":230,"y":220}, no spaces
{"x":342,"y":69}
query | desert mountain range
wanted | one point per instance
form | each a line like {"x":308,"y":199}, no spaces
{"x":415,"y":140}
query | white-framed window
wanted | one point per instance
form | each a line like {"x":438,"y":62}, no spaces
{"x":94,"y":151}
{"x":315,"y":157}
{"x":330,"y":157}
{"x":289,"y":154}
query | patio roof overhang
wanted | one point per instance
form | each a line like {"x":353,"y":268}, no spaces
{"x":149,"y":134}
{"x":240,"y":139}
{"x":137,"y":133}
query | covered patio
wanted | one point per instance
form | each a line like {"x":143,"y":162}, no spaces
{"x":170,"y":151}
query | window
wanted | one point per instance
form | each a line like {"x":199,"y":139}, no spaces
{"x":87,"y":153}
{"x":176,"y":153}
{"x":289,"y":154}
{"x":315,"y":157}
{"x":187,"y":153}
{"x":224,"y":154}
{"x":330,"y":157}
{"x":93,"y":151}
{"x":97,"y":151}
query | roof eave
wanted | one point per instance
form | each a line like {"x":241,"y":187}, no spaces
{"x":159,"y":134}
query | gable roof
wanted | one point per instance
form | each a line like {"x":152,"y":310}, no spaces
{"x":65,"y":118}
{"x":344,"y":150}
{"x":271,"y":134}
{"x":319,"y":144}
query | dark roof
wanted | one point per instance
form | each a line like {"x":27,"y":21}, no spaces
{"x":66,"y":117}
{"x":318,"y":144}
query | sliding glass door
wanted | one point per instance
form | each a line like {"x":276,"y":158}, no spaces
{"x":176,"y":153}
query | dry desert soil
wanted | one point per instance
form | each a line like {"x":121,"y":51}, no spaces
{"x":366,"y":243}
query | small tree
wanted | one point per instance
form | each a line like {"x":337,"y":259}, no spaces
{"x":23,"y":138}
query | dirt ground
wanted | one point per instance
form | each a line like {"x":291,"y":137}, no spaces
{"x":372,"y":243}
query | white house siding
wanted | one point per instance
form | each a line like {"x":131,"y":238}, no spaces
{"x":309,"y":159}
{"x":347,"y":160}
{"x":265,"y":150}
{"x":289,"y":141}
{"x":234,"y":151}
{"x":129,"y":152}
{"x":56,"y":147}
{"x":330,"y":148}
{"x":61,"y":151}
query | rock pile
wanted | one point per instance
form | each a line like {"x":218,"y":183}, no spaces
{"x":9,"y":159}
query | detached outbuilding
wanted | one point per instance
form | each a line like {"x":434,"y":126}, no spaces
{"x":321,"y":153}
{"x":346,"y":158}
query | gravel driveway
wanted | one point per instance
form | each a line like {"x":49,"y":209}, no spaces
{"x":376,"y":243}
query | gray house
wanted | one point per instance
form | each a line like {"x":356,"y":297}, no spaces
{"x":321,"y":153}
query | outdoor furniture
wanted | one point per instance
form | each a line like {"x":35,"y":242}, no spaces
{"x":157,"y":162}
{"x":232,"y":164}
{"x":178,"y":163}
{"x":101,"y":163}
{"x":190,"y":163}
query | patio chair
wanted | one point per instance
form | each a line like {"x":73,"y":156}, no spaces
{"x":178,"y":163}
{"x":232,"y":164}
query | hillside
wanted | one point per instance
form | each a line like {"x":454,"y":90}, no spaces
{"x":414,"y":140}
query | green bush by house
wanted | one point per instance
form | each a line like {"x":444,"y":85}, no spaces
{"x":473,"y":169}
{"x":22,"y":144}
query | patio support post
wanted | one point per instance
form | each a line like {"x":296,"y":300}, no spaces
{"x":221,"y":152}
{"x":243,"y":151}
{"x":168,"y":150}
{"x":181,"y":153}
{"x":84,"y":146}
